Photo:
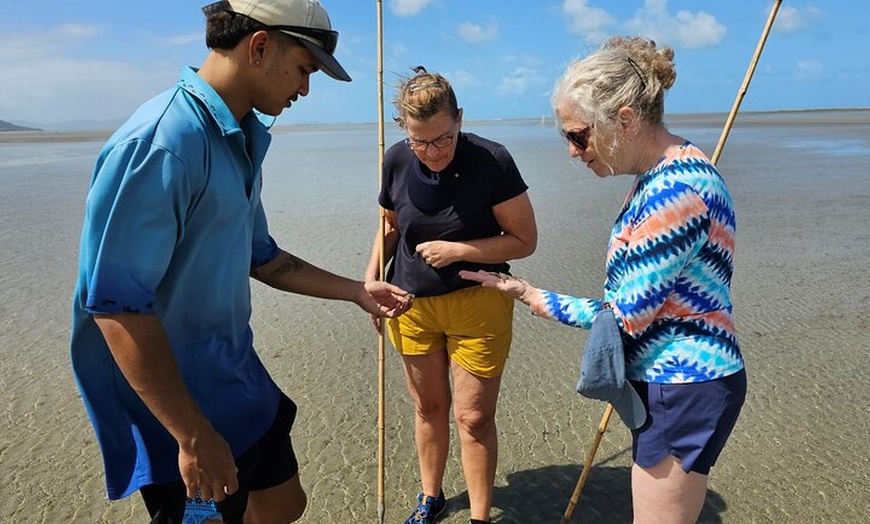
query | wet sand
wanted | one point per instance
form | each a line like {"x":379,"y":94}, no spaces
{"x":802,"y":306}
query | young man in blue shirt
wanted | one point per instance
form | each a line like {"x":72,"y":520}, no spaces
{"x":174,"y":229}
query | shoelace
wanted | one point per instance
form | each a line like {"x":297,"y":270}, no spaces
{"x":421,"y":513}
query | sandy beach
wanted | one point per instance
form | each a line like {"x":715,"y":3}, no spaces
{"x":799,"y":453}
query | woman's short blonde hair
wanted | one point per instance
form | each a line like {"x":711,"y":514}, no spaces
{"x":423,"y":96}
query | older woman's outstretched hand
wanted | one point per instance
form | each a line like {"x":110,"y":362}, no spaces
{"x":511,"y":286}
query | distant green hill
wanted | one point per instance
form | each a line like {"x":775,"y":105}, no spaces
{"x":6,"y":126}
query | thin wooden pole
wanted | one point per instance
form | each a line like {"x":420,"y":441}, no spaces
{"x":605,"y":419}
{"x":381,"y":233}
{"x":745,"y":87}
{"x":587,"y":466}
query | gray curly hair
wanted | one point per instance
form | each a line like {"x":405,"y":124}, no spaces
{"x":624,"y":71}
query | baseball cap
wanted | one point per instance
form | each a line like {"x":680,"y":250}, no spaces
{"x":307,"y":20}
{"x":602,"y":371}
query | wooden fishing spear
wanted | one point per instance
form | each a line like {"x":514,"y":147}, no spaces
{"x":745,"y":87}
{"x":605,"y":419}
{"x":381,"y":264}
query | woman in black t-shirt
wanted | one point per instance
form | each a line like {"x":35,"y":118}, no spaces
{"x":452,"y":201}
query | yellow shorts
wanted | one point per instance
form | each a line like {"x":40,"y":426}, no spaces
{"x":474,"y":325}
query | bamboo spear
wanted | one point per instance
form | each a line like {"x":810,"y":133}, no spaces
{"x":587,"y":466}
{"x":381,"y":233}
{"x":745,"y":87}
{"x":605,"y":419}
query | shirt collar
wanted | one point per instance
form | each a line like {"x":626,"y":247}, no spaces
{"x":194,"y":84}
{"x":256,"y":131}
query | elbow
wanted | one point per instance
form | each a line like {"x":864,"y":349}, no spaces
{"x":529,"y":245}
{"x":533,"y":245}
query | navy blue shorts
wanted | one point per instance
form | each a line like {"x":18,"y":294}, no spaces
{"x":270,"y":462}
{"x":691,"y":422}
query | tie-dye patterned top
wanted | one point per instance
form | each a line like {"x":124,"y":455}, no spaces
{"x":669,"y":266}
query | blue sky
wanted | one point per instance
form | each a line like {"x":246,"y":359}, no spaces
{"x":82,"y":64}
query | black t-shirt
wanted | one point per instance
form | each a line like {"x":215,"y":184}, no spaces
{"x":454,"y":205}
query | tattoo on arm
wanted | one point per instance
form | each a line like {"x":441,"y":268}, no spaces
{"x":288,"y":264}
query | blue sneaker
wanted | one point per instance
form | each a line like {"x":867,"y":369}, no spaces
{"x":428,"y":509}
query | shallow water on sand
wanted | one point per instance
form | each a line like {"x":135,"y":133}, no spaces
{"x":802,"y":306}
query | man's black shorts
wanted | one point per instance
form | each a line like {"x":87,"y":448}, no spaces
{"x":268,"y":463}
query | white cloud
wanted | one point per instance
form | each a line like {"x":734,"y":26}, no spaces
{"x":77,"y":31}
{"x":463,"y":79}
{"x":524,"y":76}
{"x":807,"y":69}
{"x":792,"y":19}
{"x":475,"y":34}
{"x":699,"y":29}
{"x":17,"y":49}
{"x":42,"y":84}
{"x":408,"y":7}
{"x":685,"y":29}
{"x":585,"y":20}
{"x":78,"y":90}
{"x":519,"y":81}
{"x":189,"y":38}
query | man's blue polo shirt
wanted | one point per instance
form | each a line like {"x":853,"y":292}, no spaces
{"x":173,"y":224}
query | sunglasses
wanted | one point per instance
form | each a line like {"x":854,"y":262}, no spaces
{"x":326,"y":37}
{"x":578,"y":137}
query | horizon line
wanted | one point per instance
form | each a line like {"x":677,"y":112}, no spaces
{"x":89,"y":133}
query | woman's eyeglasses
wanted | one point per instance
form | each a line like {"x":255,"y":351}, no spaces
{"x":578,"y":137}
{"x":441,"y":142}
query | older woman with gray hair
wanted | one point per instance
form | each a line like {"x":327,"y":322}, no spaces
{"x":668,"y":268}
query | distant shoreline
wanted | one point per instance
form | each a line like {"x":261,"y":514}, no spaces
{"x":52,"y":136}
{"x":834,"y":116}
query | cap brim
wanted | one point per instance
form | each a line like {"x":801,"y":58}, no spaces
{"x":327,"y":62}
{"x":630,"y":407}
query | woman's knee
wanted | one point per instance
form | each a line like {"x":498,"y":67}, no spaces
{"x":474,"y":422}
{"x":432,"y":408}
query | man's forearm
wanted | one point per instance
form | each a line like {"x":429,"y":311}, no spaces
{"x":290,"y":273}
{"x":142,"y":351}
